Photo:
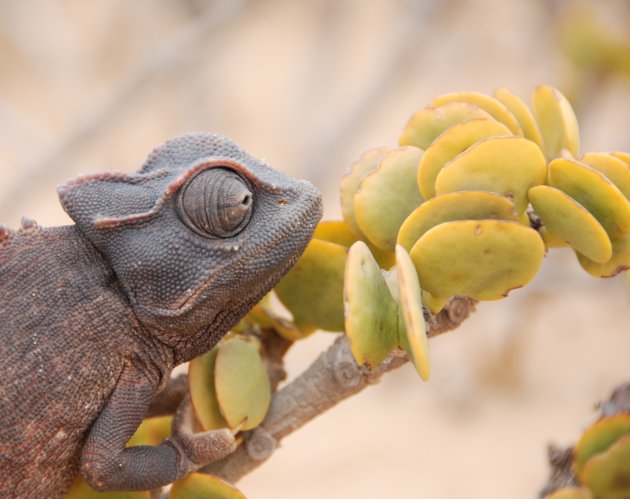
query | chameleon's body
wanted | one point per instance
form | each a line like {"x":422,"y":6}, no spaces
{"x":93,"y":317}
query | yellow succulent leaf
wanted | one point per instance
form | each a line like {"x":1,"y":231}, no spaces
{"x":203,"y":395}
{"x":337,"y":231}
{"x":453,"y":141}
{"x":607,"y":474}
{"x":594,"y":191}
{"x":387,"y":195}
{"x":461,"y":205}
{"x":313,"y":289}
{"x":569,"y":220}
{"x":615,"y":169}
{"x":524,"y":219}
{"x":266,"y":318}
{"x":202,"y":486}
{"x":414,"y":334}
{"x":623,"y":156}
{"x":599,"y":437}
{"x":556,"y":121}
{"x":425,"y":125}
{"x":432,"y":303}
{"x":522,"y":114}
{"x":152,"y":431}
{"x":371,"y":319}
{"x":350,"y":183}
{"x":506,"y":165}
{"x":571,"y":493}
{"x":81,"y":490}
{"x":550,"y":239}
{"x":241,"y":383}
{"x":495,"y":108}
{"x":481,"y":259}
{"x":619,"y":261}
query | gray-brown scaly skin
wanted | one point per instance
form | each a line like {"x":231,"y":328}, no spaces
{"x":94,"y":316}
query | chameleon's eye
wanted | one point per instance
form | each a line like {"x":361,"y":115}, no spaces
{"x":216,"y":202}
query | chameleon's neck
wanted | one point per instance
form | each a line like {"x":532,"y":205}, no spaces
{"x":68,"y":276}
{"x":58,"y":261}
{"x":187,"y":345}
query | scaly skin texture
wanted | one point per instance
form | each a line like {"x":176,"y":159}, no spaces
{"x":93,"y":317}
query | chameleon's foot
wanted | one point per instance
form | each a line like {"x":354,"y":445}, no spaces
{"x":201,"y":448}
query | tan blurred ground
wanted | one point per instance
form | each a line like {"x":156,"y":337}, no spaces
{"x":91,"y":86}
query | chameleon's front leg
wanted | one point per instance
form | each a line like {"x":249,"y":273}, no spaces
{"x":167,"y":401}
{"x":107,"y":465}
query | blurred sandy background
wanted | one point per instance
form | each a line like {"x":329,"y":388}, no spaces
{"x":92,"y":86}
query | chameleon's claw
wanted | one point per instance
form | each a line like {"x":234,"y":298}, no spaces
{"x":200,"y":448}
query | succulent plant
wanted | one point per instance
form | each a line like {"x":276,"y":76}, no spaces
{"x":606,"y":474}
{"x":497,"y":184}
{"x":601,"y":460}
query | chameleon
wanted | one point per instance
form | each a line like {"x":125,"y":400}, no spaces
{"x":156,"y":269}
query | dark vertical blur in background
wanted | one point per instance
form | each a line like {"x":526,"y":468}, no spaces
{"x":92,"y":86}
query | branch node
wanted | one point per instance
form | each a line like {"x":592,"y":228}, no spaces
{"x":260,"y":444}
{"x":452,"y":315}
{"x":345,"y":371}
{"x":459,"y":309}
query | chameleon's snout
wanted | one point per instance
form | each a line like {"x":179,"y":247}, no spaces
{"x":313,"y":198}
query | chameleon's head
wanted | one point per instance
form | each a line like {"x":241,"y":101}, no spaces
{"x":199,"y":234}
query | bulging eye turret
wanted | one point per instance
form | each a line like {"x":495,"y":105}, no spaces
{"x":216,"y":202}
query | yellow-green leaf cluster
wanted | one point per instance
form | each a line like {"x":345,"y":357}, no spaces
{"x":313,"y":288}
{"x":480,"y":187}
{"x":585,"y":204}
{"x":601,"y":458}
{"x":471,"y":236}
{"x":383,"y":309}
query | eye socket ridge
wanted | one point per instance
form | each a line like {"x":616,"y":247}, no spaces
{"x":216,"y":202}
